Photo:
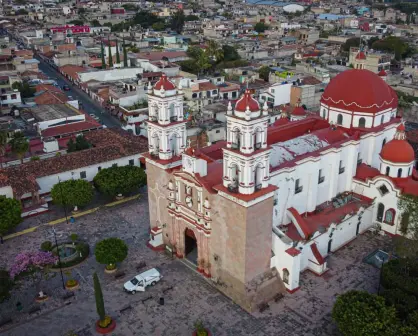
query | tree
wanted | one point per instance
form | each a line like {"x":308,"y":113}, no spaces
{"x":76,"y":22}
{"x":145,"y":19}
{"x":191,"y":18}
{"x":214,"y":51}
{"x":72,"y":192}
{"x":362,"y":314}
{"x":35,"y":265}
{"x":351,"y":43}
{"x":102,"y":53}
{"x":158,"y":26}
{"x":264,"y":73}
{"x":111,"y":251}
{"x":394,"y":44}
{"x":110,"y":55}
{"x":10,"y":214}
{"x":230,"y":53}
{"x":24,"y":88}
{"x":95,"y":23}
{"x":403,"y":302}
{"x":6,"y":285}
{"x":19,"y":145}
{"x":117,"y":53}
{"x":22,"y":12}
{"x":203,"y":62}
{"x":260,"y":27}
{"x":119,"y":180}
{"x":98,"y":294}
{"x":125,"y":54}
{"x":408,"y":206}
{"x":3,"y":143}
{"x":177,"y":21}
{"x":79,"y":144}
{"x":401,"y":274}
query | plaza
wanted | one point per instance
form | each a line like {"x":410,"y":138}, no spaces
{"x":187,"y":295}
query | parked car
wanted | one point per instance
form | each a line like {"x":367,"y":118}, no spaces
{"x":66,"y":88}
{"x":143,"y":280}
{"x":95,"y":117}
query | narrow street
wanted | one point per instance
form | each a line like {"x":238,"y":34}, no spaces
{"x":87,"y":104}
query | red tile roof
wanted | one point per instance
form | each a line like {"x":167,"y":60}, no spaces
{"x":317,"y":254}
{"x":108,"y":145}
{"x":71,"y":128}
{"x":293,"y":251}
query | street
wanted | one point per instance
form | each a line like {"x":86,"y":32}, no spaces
{"x":87,"y":104}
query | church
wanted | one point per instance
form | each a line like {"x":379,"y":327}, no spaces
{"x":255,"y":211}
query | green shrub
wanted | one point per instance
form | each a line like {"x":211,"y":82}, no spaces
{"x":35,"y":158}
{"x":46,"y":246}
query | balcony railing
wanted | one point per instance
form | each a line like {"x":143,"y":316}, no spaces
{"x":258,"y":186}
{"x":153,"y":118}
{"x":233,"y":188}
{"x":341,"y":170}
{"x":155,"y":154}
{"x":321,"y":179}
{"x":298,"y":190}
{"x":258,"y":145}
{"x":172,"y":119}
{"x":235,"y":145}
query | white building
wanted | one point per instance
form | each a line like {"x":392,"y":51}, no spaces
{"x":285,"y":196}
{"x":277,"y":94}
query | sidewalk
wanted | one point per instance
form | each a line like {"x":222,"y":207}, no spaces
{"x":38,"y":218}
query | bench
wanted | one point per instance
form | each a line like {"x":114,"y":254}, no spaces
{"x":119,"y":275}
{"x":262,"y":307}
{"x":146,"y":299}
{"x":125,"y":309}
{"x":34,"y":310}
{"x":278,"y":297}
{"x":67,"y":296}
{"x":5,"y":321}
{"x":141,"y":265}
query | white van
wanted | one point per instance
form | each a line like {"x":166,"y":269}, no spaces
{"x":141,"y":281}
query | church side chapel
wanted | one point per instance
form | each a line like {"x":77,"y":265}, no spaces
{"x":255,"y":211}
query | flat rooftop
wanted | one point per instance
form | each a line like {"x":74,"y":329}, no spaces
{"x":51,"y":112}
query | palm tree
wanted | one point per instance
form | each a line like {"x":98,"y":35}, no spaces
{"x":19,"y":145}
{"x":3,"y":143}
{"x":215,"y":51}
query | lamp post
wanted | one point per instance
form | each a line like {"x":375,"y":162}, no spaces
{"x":59,"y":258}
{"x":63,"y":199}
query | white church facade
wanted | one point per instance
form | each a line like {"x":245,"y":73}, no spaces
{"x":255,"y":211}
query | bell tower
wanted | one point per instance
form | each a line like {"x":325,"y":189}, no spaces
{"x":245,"y":208}
{"x":246,"y":157}
{"x":166,"y":125}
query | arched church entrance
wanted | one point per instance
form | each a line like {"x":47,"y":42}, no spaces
{"x":190,"y":246}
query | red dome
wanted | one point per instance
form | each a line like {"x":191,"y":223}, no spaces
{"x":298,"y":111}
{"x":361,"y":56}
{"x":359,"y":90}
{"x":398,"y":150}
{"x":247,"y":100}
{"x":165,"y":83}
{"x":382,"y":73}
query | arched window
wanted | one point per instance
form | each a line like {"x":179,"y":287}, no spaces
{"x":285,"y":276}
{"x":400,"y":172}
{"x":380,"y":212}
{"x":383,"y":142}
{"x":389,"y":216}
{"x":340,"y":119}
{"x":362,"y":122}
{"x":387,"y":171}
{"x":382,"y":119}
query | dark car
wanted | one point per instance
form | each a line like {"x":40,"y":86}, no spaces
{"x":66,"y":88}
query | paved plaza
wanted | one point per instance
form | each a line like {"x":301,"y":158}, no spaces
{"x":191,"y":297}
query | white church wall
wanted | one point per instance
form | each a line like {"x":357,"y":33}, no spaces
{"x":389,"y":200}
